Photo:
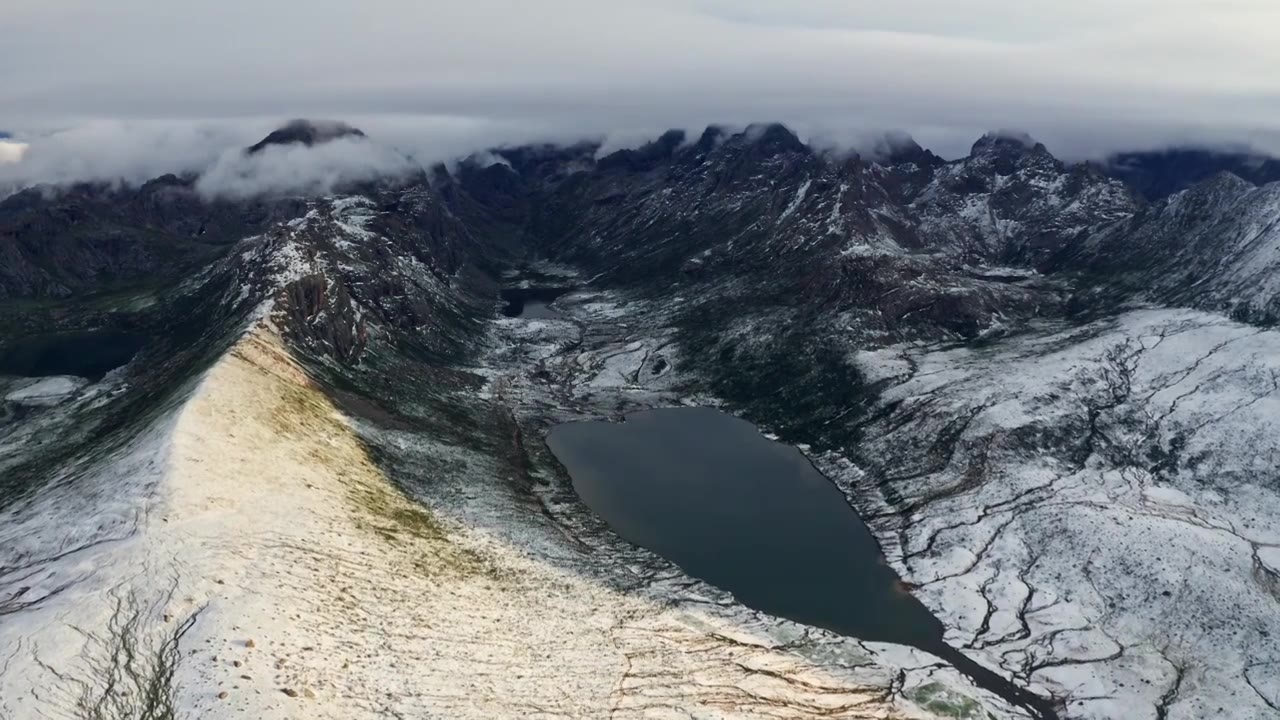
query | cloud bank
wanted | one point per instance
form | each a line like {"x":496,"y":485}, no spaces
{"x":298,"y":169}
{"x":437,"y":78}
{"x":131,"y":152}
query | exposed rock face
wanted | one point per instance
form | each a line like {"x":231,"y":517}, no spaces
{"x":319,"y":316}
{"x":59,"y":242}
{"x":1012,"y":202}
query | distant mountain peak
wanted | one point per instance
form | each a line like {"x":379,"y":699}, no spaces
{"x":1004,"y":140}
{"x":711,"y":138}
{"x":306,"y":132}
{"x":1005,"y":151}
{"x":898,"y":147}
{"x":773,"y":138}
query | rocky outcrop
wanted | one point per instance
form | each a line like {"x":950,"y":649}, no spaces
{"x":307,"y":133}
{"x":1012,"y":202}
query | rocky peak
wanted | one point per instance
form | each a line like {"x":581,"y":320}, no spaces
{"x":1003,"y":140}
{"x":770,"y":139}
{"x":647,"y":156}
{"x":548,"y":160}
{"x":306,"y":132}
{"x":1006,"y":151}
{"x":899,"y":148}
{"x":1012,"y":201}
{"x":710,"y":139}
{"x":1211,"y":196}
{"x":168,"y":180}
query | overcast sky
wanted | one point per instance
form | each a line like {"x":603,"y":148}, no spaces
{"x":1085,"y":76}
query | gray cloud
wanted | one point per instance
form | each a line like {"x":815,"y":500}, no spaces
{"x":134,"y":151}
{"x":438,"y":78}
{"x":297,"y":169}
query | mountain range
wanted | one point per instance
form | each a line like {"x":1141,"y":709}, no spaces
{"x":1049,"y":389}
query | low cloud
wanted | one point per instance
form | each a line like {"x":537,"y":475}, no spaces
{"x":301,"y":170}
{"x":133,"y":152}
{"x":122,"y":152}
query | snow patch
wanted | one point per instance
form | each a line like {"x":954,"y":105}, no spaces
{"x":46,"y":392}
{"x":796,"y":201}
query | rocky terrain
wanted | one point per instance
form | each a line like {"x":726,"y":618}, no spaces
{"x":320,"y":488}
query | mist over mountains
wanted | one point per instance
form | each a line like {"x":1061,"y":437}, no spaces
{"x":310,"y":157}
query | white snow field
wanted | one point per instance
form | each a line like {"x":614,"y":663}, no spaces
{"x":1104,"y":519}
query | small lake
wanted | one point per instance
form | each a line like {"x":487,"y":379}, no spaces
{"x":708,"y":492}
{"x":532,"y":302}
{"x":84,"y":354}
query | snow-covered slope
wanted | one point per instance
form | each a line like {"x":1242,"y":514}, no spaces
{"x":1093,"y":508}
{"x":1011,"y":201}
{"x":1215,"y":246}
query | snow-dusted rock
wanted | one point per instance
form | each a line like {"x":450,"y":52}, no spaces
{"x":45,"y":392}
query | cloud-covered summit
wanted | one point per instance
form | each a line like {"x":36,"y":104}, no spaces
{"x":308,"y":157}
{"x":247,"y":157}
{"x":1085,"y":77}
{"x":308,"y":133}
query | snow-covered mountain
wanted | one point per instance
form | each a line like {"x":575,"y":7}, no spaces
{"x":1214,"y":246}
{"x":320,"y":489}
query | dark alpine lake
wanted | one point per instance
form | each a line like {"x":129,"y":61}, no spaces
{"x":708,"y":492}
{"x":531,"y":302}
{"x":84,"y":354}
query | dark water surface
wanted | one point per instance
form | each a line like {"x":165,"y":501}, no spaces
{"x":533,"y":302}
{"x":84,"y":354}
{"x":707,"y":491}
